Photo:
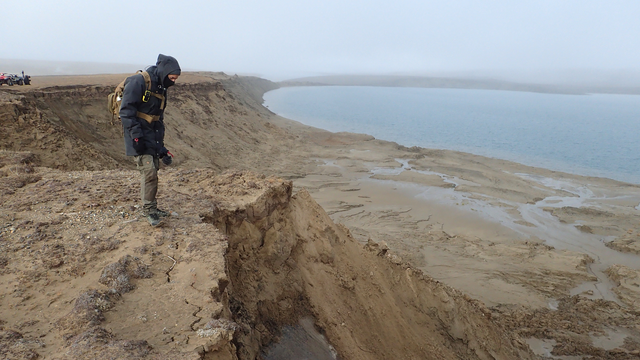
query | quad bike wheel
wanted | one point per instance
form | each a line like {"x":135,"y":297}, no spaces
{"x":10,"y":82}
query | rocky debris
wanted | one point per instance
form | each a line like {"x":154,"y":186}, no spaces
{"x":221,"y":324}
{"x":14,"y":346}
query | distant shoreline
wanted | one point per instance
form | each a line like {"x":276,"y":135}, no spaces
{"x":454,"y":83}
{"x":553,"y":164}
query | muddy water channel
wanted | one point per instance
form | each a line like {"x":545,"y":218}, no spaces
{"x":535,"y":220}
{"x":302,"y":341}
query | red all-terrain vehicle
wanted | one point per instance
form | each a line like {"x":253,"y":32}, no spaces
{"x":6,"y":79}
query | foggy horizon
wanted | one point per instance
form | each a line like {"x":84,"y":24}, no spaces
{"x":568,"y":42}
{"x":578,"y":77}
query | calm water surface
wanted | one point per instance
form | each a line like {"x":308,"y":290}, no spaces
{"x":595,"y":135}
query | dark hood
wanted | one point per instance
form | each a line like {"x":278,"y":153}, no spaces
{"x":167,"y":65}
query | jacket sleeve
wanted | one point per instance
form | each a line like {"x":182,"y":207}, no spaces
{"x":131,"y":98}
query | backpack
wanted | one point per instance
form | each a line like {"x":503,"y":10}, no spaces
{"x":114,"y":100}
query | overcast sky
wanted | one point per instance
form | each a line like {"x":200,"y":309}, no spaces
{"x":280,"y":39}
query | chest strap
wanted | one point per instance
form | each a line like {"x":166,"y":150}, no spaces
{"x":148,"y":92}
{"x":147,"y":117}
{"x":145,"y":98}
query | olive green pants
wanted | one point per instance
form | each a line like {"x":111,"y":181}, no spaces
{"x":148,"y":166}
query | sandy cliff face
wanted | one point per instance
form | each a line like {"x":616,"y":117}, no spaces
{"x":287,"y":259}
{"x":68,"y":127}
{"x":239,"y":258}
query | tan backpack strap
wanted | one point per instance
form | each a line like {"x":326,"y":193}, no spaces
{"x":120,"y":87}
{"x":147,"y":117}
{"x":162,"y":98}
{"x":147,"y":79}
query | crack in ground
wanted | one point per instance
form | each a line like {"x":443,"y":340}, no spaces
{"x":170,"y":269}
{"x":194,"y":314}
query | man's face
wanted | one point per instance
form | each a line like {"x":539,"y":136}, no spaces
{"x":173,"y":77}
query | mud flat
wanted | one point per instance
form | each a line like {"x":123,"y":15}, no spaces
{"x":370,"y":244}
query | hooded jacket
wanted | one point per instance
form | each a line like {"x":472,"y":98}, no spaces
{"x":149,"y":134}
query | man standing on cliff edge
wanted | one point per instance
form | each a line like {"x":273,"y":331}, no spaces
{"x":142,"y":115}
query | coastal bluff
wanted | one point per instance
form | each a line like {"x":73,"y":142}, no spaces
{"x":239,"y":258}
{"x":273,"y":227}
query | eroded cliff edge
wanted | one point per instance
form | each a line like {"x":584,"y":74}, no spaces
{"x":240,"y":258}
{"x":216,"y":121}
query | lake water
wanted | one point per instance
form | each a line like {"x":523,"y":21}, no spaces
{"x":596,"y":135}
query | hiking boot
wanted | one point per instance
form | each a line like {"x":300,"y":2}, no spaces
{"x":161,"y":213}
{"x":153,"y":219}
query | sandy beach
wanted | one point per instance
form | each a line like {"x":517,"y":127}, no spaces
{"x":519,"y":239}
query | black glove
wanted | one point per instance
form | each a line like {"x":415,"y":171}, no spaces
{"x":164,"y":152}
{"x":138,"y":146}
{"x":167,"y":159}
